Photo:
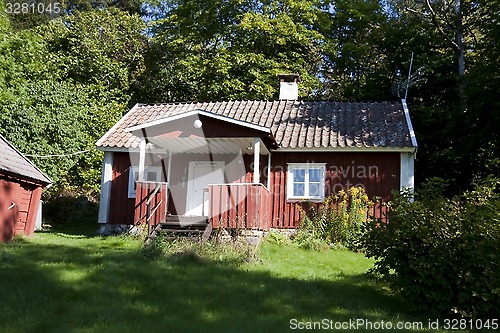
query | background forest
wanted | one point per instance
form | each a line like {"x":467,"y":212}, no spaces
{"x":67,"y":77}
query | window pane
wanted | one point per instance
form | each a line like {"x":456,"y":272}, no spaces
{"x":315,"y":175}
{"x":299,"y":175}
{"x":298,"y":190}
{"x":136,"y":174}
{"x":151,"y":176}
{"x":314,"y":189}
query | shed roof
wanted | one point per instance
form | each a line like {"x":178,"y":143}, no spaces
{"x":14,"y":162}
{"x":293,"y":124}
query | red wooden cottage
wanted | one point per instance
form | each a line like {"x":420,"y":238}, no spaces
{"x":21,"y":184}
{"x":247,"y":163}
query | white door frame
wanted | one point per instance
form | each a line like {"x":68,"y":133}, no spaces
{"x":191,"y":180}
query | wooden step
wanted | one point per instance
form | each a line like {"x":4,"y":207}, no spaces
{"x":184,"y":226}
{"x":186,"y":219}
{"x":183,"y":231}
{"x":201,"y":224}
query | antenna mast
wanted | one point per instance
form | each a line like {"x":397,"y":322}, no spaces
{"x":401,"y":87}
{"x":409,"y":76}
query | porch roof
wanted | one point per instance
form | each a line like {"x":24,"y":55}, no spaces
{"x":199,"y":113}
{"x":203,"y":132}
{"x":292,"y":124}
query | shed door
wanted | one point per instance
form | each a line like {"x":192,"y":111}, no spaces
{"x":201,"y":174}
{"x":24,"y":196}
{"x":9,"y":209}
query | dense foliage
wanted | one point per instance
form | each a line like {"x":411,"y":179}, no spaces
{"x":442,"y":254}
{"x":63,"y":84}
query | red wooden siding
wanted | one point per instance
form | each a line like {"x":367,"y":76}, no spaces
{"x":240,"y":206}
{"x":121,"y":207}
{"x":146,"y":193}
{"x":377,"y":172}
{"x":20,"y":218}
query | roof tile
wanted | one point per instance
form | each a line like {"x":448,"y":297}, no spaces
{"x":294,"y":124}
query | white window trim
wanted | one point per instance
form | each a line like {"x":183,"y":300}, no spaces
{"x":135,"y":169}
{"x":289,"y":186}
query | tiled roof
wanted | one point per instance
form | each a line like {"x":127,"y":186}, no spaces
{"x":13,"y":162}
{"x":294,"y":124}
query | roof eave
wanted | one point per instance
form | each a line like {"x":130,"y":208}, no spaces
{"x":46,"y":179}
{"x":198,"y":112}
{"x":409,"y":124}
{"x":42,"y":183}
{"x":345,"y":149}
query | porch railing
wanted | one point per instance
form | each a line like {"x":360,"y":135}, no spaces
{"x":150,"y":204}
{"x":240,"y":205}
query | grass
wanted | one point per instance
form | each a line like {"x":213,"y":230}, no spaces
{"x":70,"y":281}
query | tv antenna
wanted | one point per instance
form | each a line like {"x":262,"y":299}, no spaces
{"x":402,"y":87}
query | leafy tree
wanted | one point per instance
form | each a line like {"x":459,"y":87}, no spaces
{"x":452,"y":142}
{"x":64,"y":84}
{"x":103,"y":47}
{"x":209,"y":50}
{"x":40,"y":12}
{"x":357,"y":64}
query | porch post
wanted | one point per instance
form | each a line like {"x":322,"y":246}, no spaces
{"x":268,"y":183}
{"x":256,"y":160}
{"x":169,"y":170}
{"x":142,"y":158}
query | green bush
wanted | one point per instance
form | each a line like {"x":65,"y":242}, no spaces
{"x":340,"y":221}
{"x":278,"y":238}
{"x":69,"y":208}
{"x":442,"y":254}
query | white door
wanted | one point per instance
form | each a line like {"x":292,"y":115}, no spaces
{"x":200,"y":175}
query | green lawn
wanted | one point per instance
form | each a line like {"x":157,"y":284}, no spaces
{"x":73,"y":282}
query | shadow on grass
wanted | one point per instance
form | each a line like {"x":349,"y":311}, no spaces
{"x":56,"y":288}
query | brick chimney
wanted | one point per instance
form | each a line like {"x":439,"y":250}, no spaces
{"x":289,"y":86}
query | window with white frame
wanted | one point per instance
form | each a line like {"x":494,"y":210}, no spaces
{"x":151,"y":174}
{"x":306,"y":181}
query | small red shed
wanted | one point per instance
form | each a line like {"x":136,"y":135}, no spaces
{"x":251,"y":164}
{"x":21,"y":184}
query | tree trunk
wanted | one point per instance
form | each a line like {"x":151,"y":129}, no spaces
{"x":460,"y":47}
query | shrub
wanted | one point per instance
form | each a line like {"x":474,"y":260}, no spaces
{"x":308,"y":241}
{"x":442,"y":254}
{"x":278,"y":238}
{"x":69,"y":208}
{"x":339,"y":221}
